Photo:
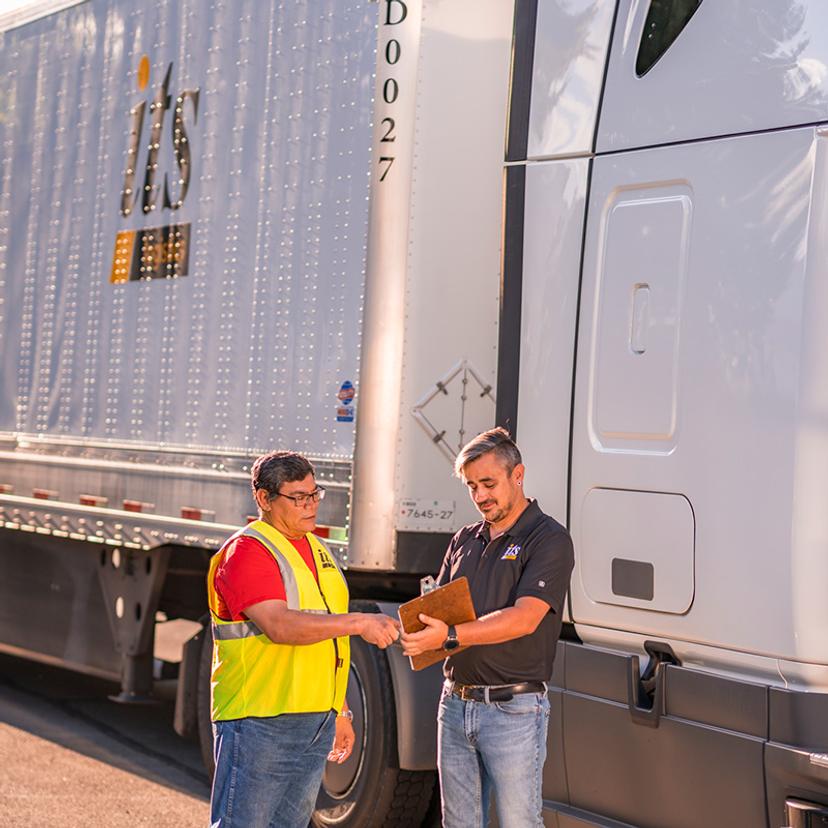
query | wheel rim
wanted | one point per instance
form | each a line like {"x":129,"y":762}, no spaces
{"x":339,"y":780}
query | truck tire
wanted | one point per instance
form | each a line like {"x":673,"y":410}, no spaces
{"x":370,"y":790}
{"x":205,"y":726}
{"x":433,"y":816}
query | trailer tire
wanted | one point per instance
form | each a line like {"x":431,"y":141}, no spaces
{"x":370,"y":790}
{"x":205,"y":725}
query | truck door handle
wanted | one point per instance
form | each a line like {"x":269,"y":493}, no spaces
{"x":640,"y":318}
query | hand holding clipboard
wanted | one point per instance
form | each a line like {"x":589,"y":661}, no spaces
{"x":451,"y":603}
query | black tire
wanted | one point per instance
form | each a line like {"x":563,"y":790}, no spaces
{"x":370,"y":790}
{"x":433,"y":816}
{"x":205,"y":727}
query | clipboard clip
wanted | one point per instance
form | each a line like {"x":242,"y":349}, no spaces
{"x":427,"y":584}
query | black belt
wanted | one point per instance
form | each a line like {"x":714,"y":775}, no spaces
{"x":495,"y":693}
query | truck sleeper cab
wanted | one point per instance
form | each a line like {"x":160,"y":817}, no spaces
{"x":665,"y":261}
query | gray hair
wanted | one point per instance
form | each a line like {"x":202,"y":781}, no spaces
{"x":496,"y":440}
{"x":271,"y":471}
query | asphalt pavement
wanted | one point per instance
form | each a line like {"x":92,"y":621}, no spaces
{"x":71,"y":757}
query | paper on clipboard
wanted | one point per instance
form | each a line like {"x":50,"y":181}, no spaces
{"x":451,"y":603}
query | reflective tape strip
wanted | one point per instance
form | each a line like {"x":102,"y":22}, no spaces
{"x":288,"y":578}
{"x":245,"y":629}
{"x":234,"y":630}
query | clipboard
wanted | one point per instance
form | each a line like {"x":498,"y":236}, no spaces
{"x":451,"y":603}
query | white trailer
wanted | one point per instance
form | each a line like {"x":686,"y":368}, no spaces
{"x":186,"y":190}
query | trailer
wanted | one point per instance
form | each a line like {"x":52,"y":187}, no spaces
{"x":186,"y":191}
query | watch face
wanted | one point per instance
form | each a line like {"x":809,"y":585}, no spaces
{"x":451,"y":644}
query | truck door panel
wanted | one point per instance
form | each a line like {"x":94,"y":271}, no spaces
{"x":716,"y":419}
{"x":571,"y":41}
{"x":553,"y":228}
{"x":735,"y":67}
{"x":708,"y":736}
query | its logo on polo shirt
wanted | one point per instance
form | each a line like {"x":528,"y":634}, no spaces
{"x":511,"y":553}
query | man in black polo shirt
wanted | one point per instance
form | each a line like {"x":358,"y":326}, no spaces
{"x":494,"y":711}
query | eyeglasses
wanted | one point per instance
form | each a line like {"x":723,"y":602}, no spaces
{"x":303,"y":500}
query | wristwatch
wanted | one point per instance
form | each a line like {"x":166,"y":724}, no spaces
{"x":346,"y":714}
{"x":451,"y":642}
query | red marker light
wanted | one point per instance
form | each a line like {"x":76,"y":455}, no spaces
{"x":194,"y":513}
{"x":137,"y":506}
{"x":44,"y":494}
{"x":93,"y":500}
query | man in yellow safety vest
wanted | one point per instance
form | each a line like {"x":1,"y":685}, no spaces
{"x":279,"y":608}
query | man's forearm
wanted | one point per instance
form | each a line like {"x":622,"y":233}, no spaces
{"x":294,"y":627}
{"x":284,"y":626}
{"x":497,"y":627}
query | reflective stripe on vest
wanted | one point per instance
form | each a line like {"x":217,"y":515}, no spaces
{"x":244,"y":629}
{"x":252,"y":676}
{"x":288,"y":576}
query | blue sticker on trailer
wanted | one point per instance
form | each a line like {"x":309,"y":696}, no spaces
{"x":345,"y":414}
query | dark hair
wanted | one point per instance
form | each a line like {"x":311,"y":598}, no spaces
{"x":270,"y":471}
{"x":496,"y":440}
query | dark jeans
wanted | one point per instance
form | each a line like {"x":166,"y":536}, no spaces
{"x":268,"y":771}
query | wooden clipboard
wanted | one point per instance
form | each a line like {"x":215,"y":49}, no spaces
{"x":451,"y":603}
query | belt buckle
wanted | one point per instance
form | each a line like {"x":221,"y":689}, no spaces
{"x":463,"y":688}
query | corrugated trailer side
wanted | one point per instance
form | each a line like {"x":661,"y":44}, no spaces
{"x":183,"y":211}
{"x":201,"y":206}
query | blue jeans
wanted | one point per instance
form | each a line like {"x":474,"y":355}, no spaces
{"x":497,"y":748}
{"x":268,"y":771}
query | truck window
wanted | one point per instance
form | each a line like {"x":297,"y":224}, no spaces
{"x":665,"y":21}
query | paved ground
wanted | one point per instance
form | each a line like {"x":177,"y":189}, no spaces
{"x":70,"y":757}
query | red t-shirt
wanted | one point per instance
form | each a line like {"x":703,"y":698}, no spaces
{"x":249,"y":574}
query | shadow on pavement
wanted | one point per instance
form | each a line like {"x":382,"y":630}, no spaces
{"x":75,"y":712}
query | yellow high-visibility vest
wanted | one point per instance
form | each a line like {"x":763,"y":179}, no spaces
{"x":251,"y":675}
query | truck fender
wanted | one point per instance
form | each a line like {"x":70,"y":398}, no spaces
{"x":416,"y":697}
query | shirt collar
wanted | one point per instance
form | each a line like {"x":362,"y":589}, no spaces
{"x":527,"y":518}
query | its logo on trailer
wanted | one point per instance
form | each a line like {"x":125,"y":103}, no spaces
{"x":155,"y":252}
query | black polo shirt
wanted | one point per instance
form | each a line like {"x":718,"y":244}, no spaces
{"x":534,"y":558}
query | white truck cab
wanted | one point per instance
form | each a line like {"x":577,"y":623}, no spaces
{"x":666,"y":262}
